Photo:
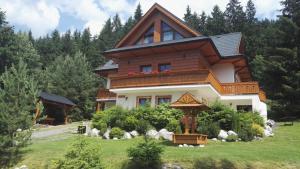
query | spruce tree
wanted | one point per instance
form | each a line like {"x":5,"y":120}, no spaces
{"x":138,"y":13}
{"x":216,"y":23}
{"x":235,"y":16}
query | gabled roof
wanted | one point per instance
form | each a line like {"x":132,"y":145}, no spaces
{"x":56,"y":98}
{"x":187,"y":100}
{"x":156,"y":7}
{"x":228,"y":44}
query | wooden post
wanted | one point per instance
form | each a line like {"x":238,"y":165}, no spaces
{"x":193,"y":123}
{"x":37,"y":111}
{"x":65,"y":114}
{"x":97,"y":106}
{"x":186,"y":125}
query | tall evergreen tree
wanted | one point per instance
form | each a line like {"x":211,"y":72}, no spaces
{"x":117,"y":27}
{"x":68,"y":46}
{"x":250,"y":12}
{"x":138,"y":13}
{"x":216,"y":23}
{"x":18,"y":96}
{"x":31,"y":39}
{"x":7,"y":43}
{"x":235,"y":16}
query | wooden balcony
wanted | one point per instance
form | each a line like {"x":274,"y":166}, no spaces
{"x":105,"y":94}
{"x":184,"y":78}
{"x":160,"y":79}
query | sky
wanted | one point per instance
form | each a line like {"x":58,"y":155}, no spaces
{"x":43,"y":16}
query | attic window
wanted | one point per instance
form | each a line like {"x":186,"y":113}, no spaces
{"x":167,"y":33}
{"x":148,"y":37}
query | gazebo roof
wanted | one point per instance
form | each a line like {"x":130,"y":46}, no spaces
{"x":189,"y":101}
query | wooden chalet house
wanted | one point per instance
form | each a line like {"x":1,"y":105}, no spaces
{"x":161,"y":58}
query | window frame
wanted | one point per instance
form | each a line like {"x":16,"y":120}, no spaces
{"x":141,"y":69}
{"x":162,"y":96}
{"x":172,"y":30}
{"x":163,"y":64}
{"x":142,"y":97}
{"x":242,"y":108}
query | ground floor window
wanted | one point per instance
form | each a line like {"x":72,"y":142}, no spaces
{"x":143,"y":100}
{"x":163,"y":99}
{"x":246,"y":108}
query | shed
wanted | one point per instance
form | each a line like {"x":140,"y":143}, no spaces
{"x":55,"y":108}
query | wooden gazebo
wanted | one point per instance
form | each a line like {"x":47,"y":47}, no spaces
{"x":191,"y":107}
{"x":55,"y":108}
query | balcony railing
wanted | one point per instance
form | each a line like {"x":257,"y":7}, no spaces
{"x":160,"y":79}
{"x":181,"y":78}
{"x":105,"y":94}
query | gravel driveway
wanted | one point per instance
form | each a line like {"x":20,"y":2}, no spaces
{"x":54,"y":130}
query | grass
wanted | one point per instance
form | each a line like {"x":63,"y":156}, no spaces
{"x":280,"y":151}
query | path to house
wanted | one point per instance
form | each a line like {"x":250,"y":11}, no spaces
{"x":54,"y":130}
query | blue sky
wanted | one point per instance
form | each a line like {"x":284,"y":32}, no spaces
{"x":43,"y":16}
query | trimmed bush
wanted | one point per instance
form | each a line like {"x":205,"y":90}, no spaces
{"x":246,"y":133}
{"x":116,"y":132}
{"x":211,"y":129}
{"x":258,"y":130}
{"x":130,"y":123}
{"x":146,"y":155}
{"x":143,"y":126}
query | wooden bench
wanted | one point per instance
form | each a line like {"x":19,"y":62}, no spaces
{"x":189,"y":139}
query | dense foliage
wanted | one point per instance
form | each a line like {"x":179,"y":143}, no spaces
{"x":146,"y":155}
{"x":82,"y":155}
{"x":246,"y":124}
{"x":140,"y":119}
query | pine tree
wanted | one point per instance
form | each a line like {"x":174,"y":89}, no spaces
{"x":250,"y":12}
{"x":188,"y":14}
{"x":216,"y":23}
{"x":127,"y":26}
{"x":31,"y":39}
{"x":68,"y":46}
{"x":106,"y":39}
{"x":235,"y":16}
{"x":7,"y":43}
{"x":202,"y":23}
{"x":18,"y":96}
{"x":73,"y":78}
{"x":193,"y":20}
{"x":117,"y":27}
{"x":138,"y":13}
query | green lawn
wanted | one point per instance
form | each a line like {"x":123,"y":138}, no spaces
{"x":281,"y":151}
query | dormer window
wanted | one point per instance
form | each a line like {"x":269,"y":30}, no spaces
{"x":167,"y":33}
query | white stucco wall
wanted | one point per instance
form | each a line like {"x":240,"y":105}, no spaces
{"x":224,"y":72}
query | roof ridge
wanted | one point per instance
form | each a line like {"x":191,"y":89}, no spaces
{"x":226,"y":34}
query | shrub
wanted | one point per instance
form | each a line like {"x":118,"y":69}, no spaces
{"x":232,"y":138}
{"x":146,"y":155}
{"x":246,"y":133}
{"x":258,"y":130}
{"x":143,"y":126}
{"x":82,"y":155}
{"x":130,"y":123}
{"x":209,"y":163}
{"x":116,"y":132}
{"x":174,"y":126}
{"x":211,"y":129}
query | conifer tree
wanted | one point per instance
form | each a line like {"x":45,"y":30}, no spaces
{"x":138,"y":13}
{"x":216,"y":23}
{"x":235,"y":16}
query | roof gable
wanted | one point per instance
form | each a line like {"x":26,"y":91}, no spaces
{"x":155,"y":15}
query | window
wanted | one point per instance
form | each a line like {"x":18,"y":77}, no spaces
{"x":146,"y":69}
{"x":246,"y":108}
{"x":164,"y":67}
{"x":148,"y":37}
{"x":168,"y":33}
{"x":143,"y":100}
{"x":163,"y":99}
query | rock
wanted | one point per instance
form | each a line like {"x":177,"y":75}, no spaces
{"x":115,"y":138}
{"x":164,"y":133}
{"x":95,"y":132}
{"x":153,"y":134}
{"x":214,"y":139}
{"x":201,"y":146}
{"x":23,"y":167}
{"x":257,"y":138}
{"x":268,"y":128}
{"x":230,"y":132}
{"x":222,"y":134}
{"x":180,"y":145}
{"x":223,"y":140}
{"x":171,"y":166}
{"x":268,"y":133}
{"x":87,"y":127}
{"x":106,"y":134}
{"x":134,"y":133}
{"x":191,"y":146}
{"x":127,"y":135}
{"x":270,"y":123}
{"x":185,"y":145}
{"x":19,"y":130}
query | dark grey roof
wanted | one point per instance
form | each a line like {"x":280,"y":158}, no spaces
{"x":56,"y":98}
{"x":228,"y":44}
{"x":107,"y":66}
